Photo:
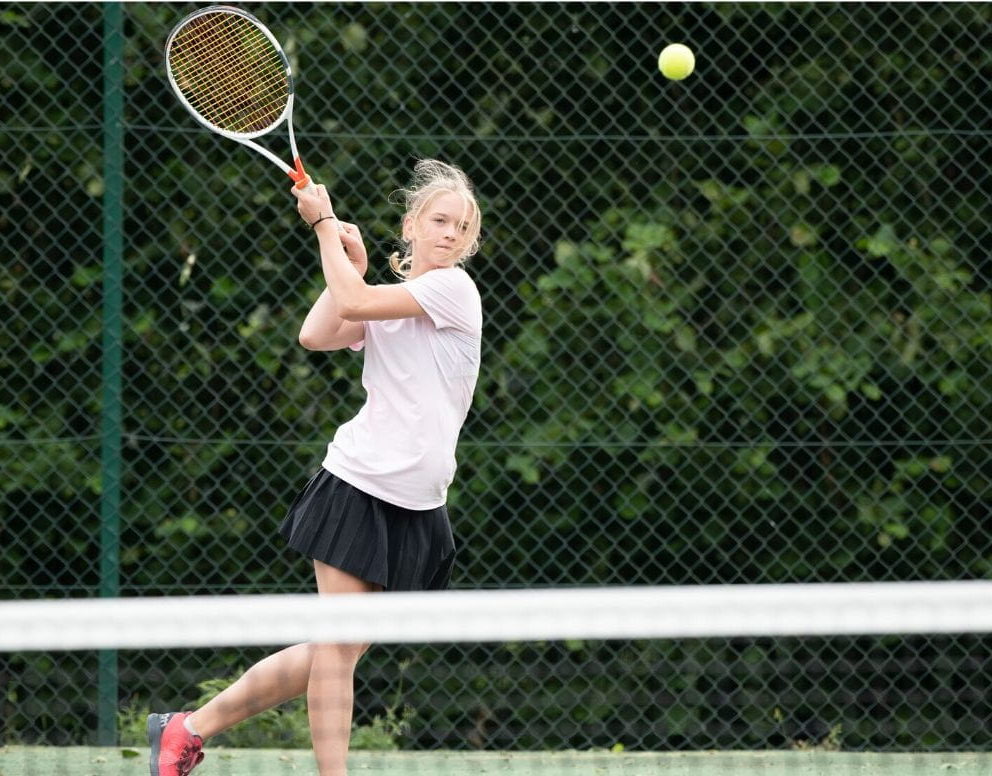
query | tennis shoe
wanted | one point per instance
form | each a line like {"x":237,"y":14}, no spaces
{"x":174,"y":750}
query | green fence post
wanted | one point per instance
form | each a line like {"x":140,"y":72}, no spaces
{"x":110,"y":433}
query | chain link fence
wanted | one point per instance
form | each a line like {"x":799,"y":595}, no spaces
{"x":738,"y":330}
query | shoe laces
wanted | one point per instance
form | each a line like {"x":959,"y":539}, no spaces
{"x":189,"y":758}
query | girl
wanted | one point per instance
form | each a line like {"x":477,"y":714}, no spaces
{"x":373,"y":518}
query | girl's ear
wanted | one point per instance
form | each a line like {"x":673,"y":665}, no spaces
{"x":408,"y":228}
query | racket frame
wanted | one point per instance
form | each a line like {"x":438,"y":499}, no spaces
{"x":296,"y":173}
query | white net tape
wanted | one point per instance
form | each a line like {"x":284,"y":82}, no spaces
{"x":500,"y":615}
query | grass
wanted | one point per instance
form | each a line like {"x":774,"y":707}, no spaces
{"x":94,"y":761}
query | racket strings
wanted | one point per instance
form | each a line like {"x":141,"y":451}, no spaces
{"x":230,"y":72}
{"x":235,"y":81}
{"x":238,"y":77}
{"x":268,"y":81}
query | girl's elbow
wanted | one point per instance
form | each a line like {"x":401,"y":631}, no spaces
{"x":354,"y":305}
{"x":309,"y":341}
{"x":351,"y":313}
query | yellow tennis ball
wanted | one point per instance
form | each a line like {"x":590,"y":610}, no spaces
{"x":676,"y":61}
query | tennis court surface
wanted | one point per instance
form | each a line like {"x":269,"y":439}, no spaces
{"x":86,"y":761}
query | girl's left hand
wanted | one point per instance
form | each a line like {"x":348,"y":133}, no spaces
{"x":354,"y":246}
{"x":313,"y":203}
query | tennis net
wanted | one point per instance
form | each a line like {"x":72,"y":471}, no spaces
{"x":818,"y":678}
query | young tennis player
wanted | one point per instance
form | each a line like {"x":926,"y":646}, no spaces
{"x":373,"y":518}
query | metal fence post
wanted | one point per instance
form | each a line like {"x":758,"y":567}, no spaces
{"x":110,"y":446}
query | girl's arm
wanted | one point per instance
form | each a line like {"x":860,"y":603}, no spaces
{"x":325,"y":329}
{"x":355,"y":300}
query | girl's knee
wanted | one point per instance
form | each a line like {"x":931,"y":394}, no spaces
{"x":341,"y":653}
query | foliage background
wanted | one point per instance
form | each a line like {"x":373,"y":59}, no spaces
{"x":738,"y":331}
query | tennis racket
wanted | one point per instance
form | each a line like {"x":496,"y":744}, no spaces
{"x":233,"y":76}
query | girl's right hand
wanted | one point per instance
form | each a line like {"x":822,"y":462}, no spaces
{"x":351,"y":240}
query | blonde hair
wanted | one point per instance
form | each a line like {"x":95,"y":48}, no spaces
{"x":431,"y":178}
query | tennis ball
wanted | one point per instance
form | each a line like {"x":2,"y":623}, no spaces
{"x":676,"y":61}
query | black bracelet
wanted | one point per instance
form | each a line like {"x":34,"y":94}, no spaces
{"x":322,"y":218}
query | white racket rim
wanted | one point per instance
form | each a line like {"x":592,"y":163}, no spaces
{"x":239,"y":136}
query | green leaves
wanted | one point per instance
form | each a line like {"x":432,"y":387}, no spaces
{"x":676,"y":323}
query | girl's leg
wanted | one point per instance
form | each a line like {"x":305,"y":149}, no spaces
{"x":274,"y":680}
{"x":330,"y":692}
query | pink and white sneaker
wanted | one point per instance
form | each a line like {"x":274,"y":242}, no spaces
{"x":175,"y":751}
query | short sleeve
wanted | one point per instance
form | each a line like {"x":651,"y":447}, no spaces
{"x":449,"y":297}
{"x":358,"y":345}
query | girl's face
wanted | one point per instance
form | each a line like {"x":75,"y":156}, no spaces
{"x":438,"y":236}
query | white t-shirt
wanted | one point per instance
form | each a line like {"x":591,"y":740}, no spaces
{"x":419,"y":375}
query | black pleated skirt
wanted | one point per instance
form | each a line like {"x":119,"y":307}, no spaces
{"x":399,"y":549}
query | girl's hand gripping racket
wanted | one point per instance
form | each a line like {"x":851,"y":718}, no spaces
{"x":233,"y":76}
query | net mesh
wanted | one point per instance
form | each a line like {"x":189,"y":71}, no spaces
{"x":783,"y":667}
{"x":229,"y":72}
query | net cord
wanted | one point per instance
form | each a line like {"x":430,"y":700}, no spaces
{"x":500,"y":615}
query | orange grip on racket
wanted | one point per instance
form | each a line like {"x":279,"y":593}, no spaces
{"x":300,"y":176}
